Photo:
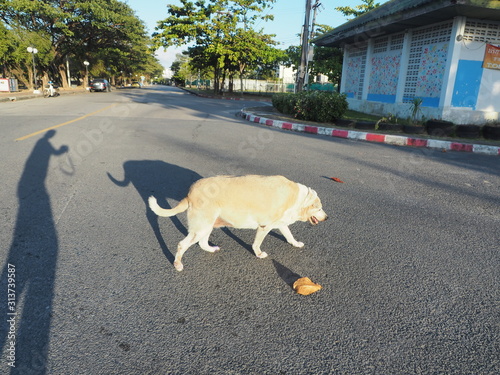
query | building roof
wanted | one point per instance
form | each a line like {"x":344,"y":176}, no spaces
{"x":399,"y":15}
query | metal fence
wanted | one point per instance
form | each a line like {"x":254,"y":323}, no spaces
{"x":253,"y":85}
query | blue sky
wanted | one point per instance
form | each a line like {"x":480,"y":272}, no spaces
{"x":287,"y":24}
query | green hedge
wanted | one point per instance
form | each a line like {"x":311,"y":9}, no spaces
{"x":316,"y":106}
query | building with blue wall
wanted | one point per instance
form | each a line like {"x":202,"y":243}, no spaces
{"x":445,"y":52}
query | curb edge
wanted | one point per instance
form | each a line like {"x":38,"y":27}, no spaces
{"x":397,"y":140}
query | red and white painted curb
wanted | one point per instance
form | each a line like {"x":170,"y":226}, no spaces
{"x":397,"y":140}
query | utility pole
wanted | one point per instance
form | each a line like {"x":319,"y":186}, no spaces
{"x":301,"y":73}
{"x":310,"y":48}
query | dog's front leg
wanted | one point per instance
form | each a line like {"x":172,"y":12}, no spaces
{"x":259,"y":237}
{"x":289,"y":236}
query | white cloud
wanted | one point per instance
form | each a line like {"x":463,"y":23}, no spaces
{"x":167,"y":57}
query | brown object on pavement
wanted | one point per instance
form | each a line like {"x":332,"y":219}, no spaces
{"x":305,"y":286}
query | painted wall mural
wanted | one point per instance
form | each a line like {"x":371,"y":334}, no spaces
{"x":384,"y":77}
{"x":431,"y":71}
{"x":353,"y":79}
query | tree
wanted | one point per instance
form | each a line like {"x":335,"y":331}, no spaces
{"x":358,"y":10}
{"x":16,"y":60}
{"x":250,"y":50}
{"x":222,"y":34}
{"x":326,"y":60}
{"x":104,"y":32}
{"x":107,"y":33}
{"x":180,"y":69}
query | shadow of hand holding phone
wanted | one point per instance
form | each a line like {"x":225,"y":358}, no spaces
{"x":30,"y":267}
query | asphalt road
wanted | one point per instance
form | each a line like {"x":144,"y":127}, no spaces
{"x":409,"y":259}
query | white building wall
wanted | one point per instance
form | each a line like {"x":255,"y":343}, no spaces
{"x":286,"y":74}
{"x":440,"y":63}
{"x":476,"y":35}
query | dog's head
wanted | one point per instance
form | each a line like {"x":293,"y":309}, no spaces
{"x":312,"y":210}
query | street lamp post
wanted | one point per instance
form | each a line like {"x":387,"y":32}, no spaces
{"x":33,"y":51}
{"x":86,"y":63}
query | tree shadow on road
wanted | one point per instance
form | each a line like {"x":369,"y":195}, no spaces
{"x":164,"y":181}
{"x":28,"y":276}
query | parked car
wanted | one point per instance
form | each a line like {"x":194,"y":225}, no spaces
{"x":135,"y":84}
{"x":100,"y":84}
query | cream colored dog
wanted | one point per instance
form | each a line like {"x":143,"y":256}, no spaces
{"x":252,"y":202}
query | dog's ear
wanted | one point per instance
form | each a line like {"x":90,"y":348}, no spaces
{"x":310,"y":197}
{"x":309,"y":200}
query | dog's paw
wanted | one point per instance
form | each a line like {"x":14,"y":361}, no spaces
{"x":178,"y":266}
{"x":262,"y":255}
{"x":298,"y":244}
{"x":212,"y":249}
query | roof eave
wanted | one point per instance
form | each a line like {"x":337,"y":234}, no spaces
{"x":398,"y":22}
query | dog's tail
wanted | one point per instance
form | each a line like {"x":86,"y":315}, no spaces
{"x":155,"y":207}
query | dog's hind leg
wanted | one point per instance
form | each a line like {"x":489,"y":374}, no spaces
{"x":181,"y":249}
{"x":191,"y":238}
{"x":289,"y":236}
{"x":205,"y":246}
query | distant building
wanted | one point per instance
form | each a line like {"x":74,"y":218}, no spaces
{"x":286,"y":74}
{"x":443,"y":51}
{"x":289,"y":75}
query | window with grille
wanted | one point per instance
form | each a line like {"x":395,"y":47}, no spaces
{"x":482,"y":31}
{"x":427,"y":61}
{"x":380,"y":45}
{"x":389,"y":43}
{"x":397,"y":42}
{"x":356,"y":62}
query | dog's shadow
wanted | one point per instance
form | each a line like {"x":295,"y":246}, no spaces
{"x":164,"y":181}
{"x":248,"y":246}
{"x":286,"y":274}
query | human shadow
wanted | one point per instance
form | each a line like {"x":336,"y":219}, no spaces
{"x":28,"y":275}
{"x":164,"y":181}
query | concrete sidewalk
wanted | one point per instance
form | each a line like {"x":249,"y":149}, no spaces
{"x":28,"y":94}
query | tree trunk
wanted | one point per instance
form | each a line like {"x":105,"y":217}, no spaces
{"x":62,"y":74}
{"x":45,"y":81}
{"x":242,"y":71}
{"x":223,"y":81}
{"x":85,"y":80}
{"x":216,"y":78}
{"x":21,"y":76}
{"x":31,"y":80}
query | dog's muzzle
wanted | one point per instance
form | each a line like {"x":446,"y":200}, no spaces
{"x":315,"y":221}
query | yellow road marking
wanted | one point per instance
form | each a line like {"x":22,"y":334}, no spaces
{"x":65,"y":123}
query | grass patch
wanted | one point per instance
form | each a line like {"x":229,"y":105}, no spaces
{"x":359,"y":116}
